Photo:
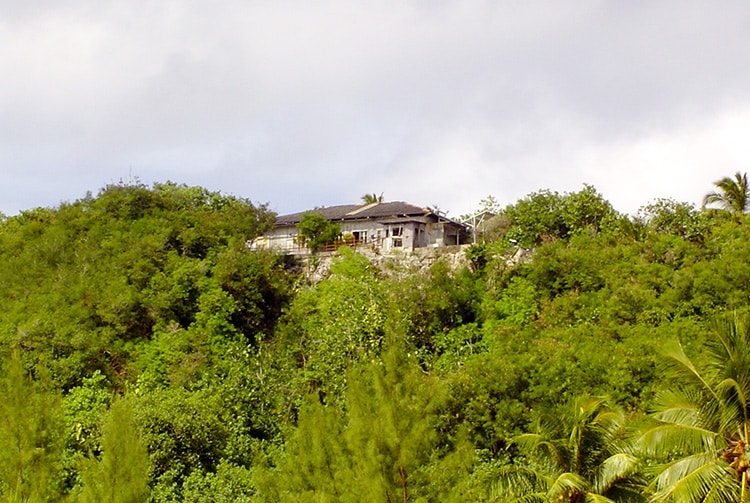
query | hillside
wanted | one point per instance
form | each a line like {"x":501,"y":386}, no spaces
{"x":148,"y":353}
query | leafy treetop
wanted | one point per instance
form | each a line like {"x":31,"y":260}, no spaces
{"x":316,"y":231}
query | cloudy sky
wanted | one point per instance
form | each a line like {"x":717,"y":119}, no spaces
{"x":436,"y":102}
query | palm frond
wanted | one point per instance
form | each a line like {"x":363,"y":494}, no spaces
{"x":729,"y":345}
{"x":543,"y":450}
{"x":732,"y":194}
{"x":629,"y":492}
{"x":514,"y":483}
{"x":725,"y":490}
{"x":613,"y":469}
{"x":679,"y":407}
{"x":610,"y":422}
{"x":668,"y":439}
{"x":691,"y":478}
{"x":528,"y":498}
{"x":568,"y":483}
{"x":735,"y":409}
{"x":597,"y":498}
{"x":703,"y":426}
{"x":713,"y":198}
{"x":684,"y":366}
{"x":526,"y":439}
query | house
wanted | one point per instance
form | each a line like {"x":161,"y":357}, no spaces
{"x":384,"y":226}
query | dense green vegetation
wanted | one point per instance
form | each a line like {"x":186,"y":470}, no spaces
{"x":149,"y":355}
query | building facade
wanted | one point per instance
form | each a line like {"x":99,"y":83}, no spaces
{"x":386,"y":227}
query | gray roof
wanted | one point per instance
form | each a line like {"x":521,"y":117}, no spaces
{"x":395,"y":209}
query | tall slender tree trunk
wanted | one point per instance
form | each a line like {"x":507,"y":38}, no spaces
{"x":403,"y":483}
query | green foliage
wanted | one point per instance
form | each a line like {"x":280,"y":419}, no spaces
{"x":258,"y":285}
{"x":149,"y":288}
{"x":84,"y":408}
{"x":456,"y":346}
{"x":247,"y":382}
{"x":428,"y":305}
{"x":31,"y":436}
{"x":316,"y":231}
{"x":536,"y":218}
{"x":544,"y":216}
{"x":667,"y":216}
{"x":561,"y":267}
{"x":516,"y":304}
{"x":372,"y":198}
{"x":478,"y":256}
{"x":382,"y":448}
{"x":733,"y":194}
{"x":315,"y":464}
{"x":575,"y":456}
{"x":184,"y":431}
{"x":87,"y":283}
{"x":701,"y":423}
{"x":121,"y":474}
{"x":486,"y":400}
{"x":228,"y":484}
{"x":389,"y":430}
{"x":586,"y":211}
{"x":341,"y":319}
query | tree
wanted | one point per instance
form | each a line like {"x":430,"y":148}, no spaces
{"x":121,"y":475}
{"x":335,"y":322}
{"x":667,"y":216}
{"x":573,"y":458}
{"x":586,"y":211}
{"x":316,"y":465}
{"x":372,"y":198}
{"x":733,"y":194}
{"x":316,"y":231}
{"x":184,"y":431}
{"x":30,"y":436}
{"x":545,"y":216}
{"x":383,"y":446}
{"x":701,"y":429}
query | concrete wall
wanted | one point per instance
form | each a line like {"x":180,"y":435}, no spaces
{"x":386,"y":237}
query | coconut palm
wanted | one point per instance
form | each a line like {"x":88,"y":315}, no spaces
{"x":372,"y":198}
{"x":733,"y":194}
{"x":701,"y":428}
{"x":573,"y":458}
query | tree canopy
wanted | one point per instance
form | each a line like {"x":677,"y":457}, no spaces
{"x":316,"y":231}
{"x":372,"y":198}
{"x":733,"y":194}
{"x":576,"y":354}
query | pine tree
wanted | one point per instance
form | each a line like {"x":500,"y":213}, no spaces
{"x":390,"y":428}
{"x":30,"y":437}
{"x":121,"y":475}
{"x":316,"y":462}
{"x":384,"y":448}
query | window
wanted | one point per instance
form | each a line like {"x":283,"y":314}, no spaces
{"x":398,"y":231}
{"x":397,"y":243}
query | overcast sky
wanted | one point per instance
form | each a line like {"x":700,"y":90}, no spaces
{"x":436,"y":102}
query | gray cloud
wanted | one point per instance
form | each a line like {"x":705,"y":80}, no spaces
{"x":301,"y":104}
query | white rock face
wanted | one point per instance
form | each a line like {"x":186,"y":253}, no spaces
{"x":394,"y":264}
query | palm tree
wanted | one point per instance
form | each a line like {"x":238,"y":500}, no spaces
{"x":700,"y":432}
{"x":573,"y":458}
{"x":372,"y":198}
{"x":733,"y":194}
